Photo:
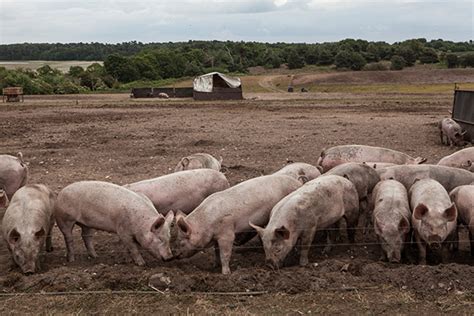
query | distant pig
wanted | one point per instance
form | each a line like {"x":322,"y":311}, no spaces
{"x":183,"y":190}
{"x":452,"y":131}
{"x":360,"y":153}
{"x":199,"y":161}
{"x":463,"y":197}
{"x":391,"y":218}
{"x":448,"y":177}
{"x":463,"y":158}
{"x":364,"y":178}
{"x":301,"y":171}
{"x":27,"y":224}
{"x":13,"y":173}
{"x":433,"y":217}
{"x":317,"y":205}
{"x":224,"y":216}
{"x":115,"y":209}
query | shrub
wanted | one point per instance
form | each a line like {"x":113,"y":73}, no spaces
{"x":429,"y":56}
{"x":397,"y":62}
{"x":467,"y":60}
{"x":351,"y":60}
{"x":379,"y":66}
{"x":452,"y":60}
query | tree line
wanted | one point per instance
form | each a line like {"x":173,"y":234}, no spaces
{"x":130,"y":62}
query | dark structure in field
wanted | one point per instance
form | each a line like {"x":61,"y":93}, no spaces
{"x":154,"y":92}
{"x":217,"y":86}
{"x":463,"y":111}
{"x":13,"y":94}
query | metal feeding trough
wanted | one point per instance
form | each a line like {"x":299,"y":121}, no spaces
{"x":13,"y":94}
{"x":463,"y":111}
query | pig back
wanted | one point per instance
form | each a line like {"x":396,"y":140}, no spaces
{"x":13,"y":173}
{"x":30,"y":208}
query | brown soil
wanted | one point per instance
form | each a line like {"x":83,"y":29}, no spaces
{"x":113,"y":138}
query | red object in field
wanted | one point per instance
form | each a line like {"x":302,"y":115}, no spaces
{"x":12,"y":94}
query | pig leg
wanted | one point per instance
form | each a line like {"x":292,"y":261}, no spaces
{"x":87,"y":238}
{"x":441,"y":136}
{"x":306,"y":241}
{"x":131,"y":244}
{"x":471,"y":239}
{"x":331,"y":235}
{"x":351,"y":223}
{"x":217,"y":261}
{"x":421,"y":248}
{"x":66,"y":229}
{"x":225,"y":242}
{"x":49,"y":243}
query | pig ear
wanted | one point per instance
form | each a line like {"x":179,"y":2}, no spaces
{"x":20,"y":157}
{"x":157,"y":224}
{"x":282,"y":233}
{"x":14,"y":236}
{"x":420,"y":160}
{"x":378,"y":227}
{"x":40,"y":233}
{"x":3,"y":198}
{"x":451,"y":213}
{"x":183,"y":226}
{"x":320,"y":169}
{"x":404,"y":225}
{"x":303,"y":179}
{"x":260,"y":230}
{"x":185,"y":162}
{"x":420,"y":211}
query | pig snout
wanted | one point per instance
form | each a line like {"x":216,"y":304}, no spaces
{"x":28,"y":269}
{"x":394,"y":257}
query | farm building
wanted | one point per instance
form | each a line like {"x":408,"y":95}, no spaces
{"x":463,"y":111}
{"x":217,"y":86}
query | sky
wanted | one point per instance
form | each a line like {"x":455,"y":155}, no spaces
{"x":310,"y":21}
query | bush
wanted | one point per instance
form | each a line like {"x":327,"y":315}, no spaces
{"x":351,"y":60}
{"x":429,"y":56}
{"x":357,"y":61}
{"x":397,"y":63}
{"x":467,"y":60}
{"x":452,"y":60}
{"x":295,"y":61}
{"x":380,"y":66}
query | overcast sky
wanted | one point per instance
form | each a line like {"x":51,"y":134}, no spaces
{"x":308,"y":21}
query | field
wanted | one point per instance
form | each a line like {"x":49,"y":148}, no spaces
{"x":63,"y":66}
{"x":118,"y":139}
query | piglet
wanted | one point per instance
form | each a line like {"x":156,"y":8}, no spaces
{"x":27,"y":224}
{"x":115,"y":209}
{"x":224,"y":216}
{"x":433,"y":217}
{"x":452,"y":131}
{"x":317,"y":205}
{"x":199,"y":161}
{"x":463,"y":197}
{"x":391,"y":217}
{"x":301,"y":171}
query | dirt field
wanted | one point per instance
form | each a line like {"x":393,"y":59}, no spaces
{"x":113,"y":138}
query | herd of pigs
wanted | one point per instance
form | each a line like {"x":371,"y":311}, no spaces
{"x":174,"y":216}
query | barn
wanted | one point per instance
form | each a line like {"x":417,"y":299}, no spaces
{"x":217,"y":86}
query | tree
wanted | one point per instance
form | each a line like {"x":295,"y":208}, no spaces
{"x":295,"y":61}
{"x":193,"y":69}
{"x":428,"y":56}
{"x":75,"y":71}
{"x":408,"y":55}
{"x":467,"y":60}
{"x":452,"y":60}
{"x":121,"y":68}
{"x":343,"y":59}
{"x":357,"y":61}
{"x":325,"y":57}
{"x":397,"y":62}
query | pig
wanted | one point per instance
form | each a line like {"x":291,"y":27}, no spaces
{"x":27,"y":224}
{"x":391,"y":217}
{"x":224,"y":216}
{"x":379,"y":165}
{"x":460,"y":159}
{"x":463,"y":197}
{"x":434,"y":217}
{"x":360,"y":153}
{"x":199,"y":161}
{"x":364,"y":178}
{"x":301,"y":171}
{"x":13,"y":173}
{"x":115,"y":209}
{"x":452,"y":131}
{"x":448,"y":177}
{"x":183,"y":190}
{"x":3,"y":199}
{"x":317,"y":205}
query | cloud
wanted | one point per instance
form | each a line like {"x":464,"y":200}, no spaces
{"x":256,"y":20}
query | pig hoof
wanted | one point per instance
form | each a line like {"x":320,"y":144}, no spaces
{"x":327,"y":250}
{"x":70,"y":259}
{"x":304,"y":262}
{"x":226,"y":271}
{"x":49,"y":249}
{"x":140,"y":262}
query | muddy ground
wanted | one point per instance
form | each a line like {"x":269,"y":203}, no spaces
{"x":113,"y":138}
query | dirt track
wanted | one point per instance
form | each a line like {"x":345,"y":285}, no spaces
{"x":112,"y":138}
